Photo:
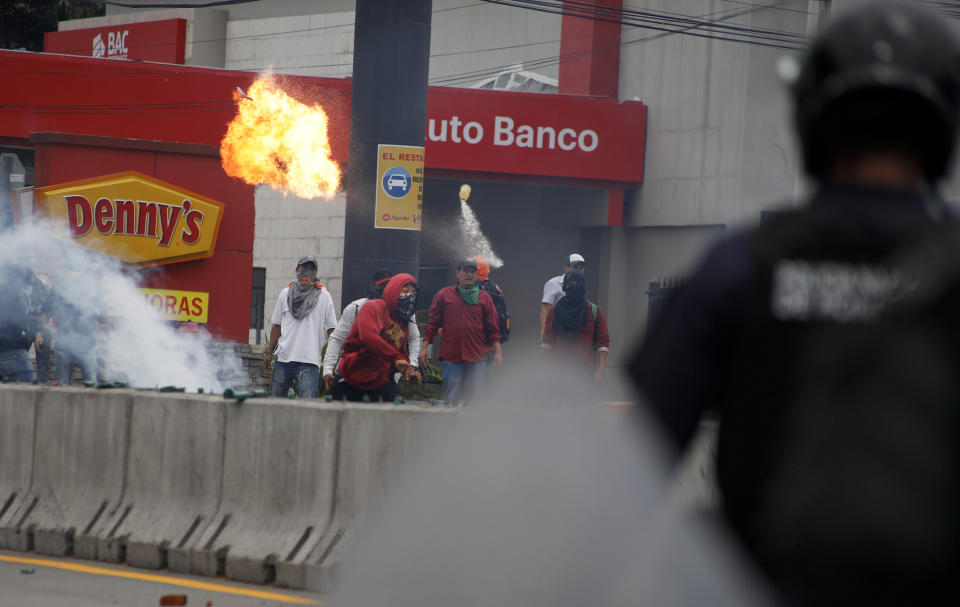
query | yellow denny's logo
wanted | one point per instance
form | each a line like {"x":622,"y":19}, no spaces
{"x":135,"y":218}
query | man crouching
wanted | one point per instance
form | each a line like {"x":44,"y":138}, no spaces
{"x":377,"y":345}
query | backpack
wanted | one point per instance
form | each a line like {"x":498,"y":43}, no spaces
{"x":839,"y":455}
{"x":500,"y":303}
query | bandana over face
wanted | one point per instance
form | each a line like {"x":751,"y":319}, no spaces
{"x":303,"y":294}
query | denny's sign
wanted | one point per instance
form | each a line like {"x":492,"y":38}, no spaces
{"x":135,"y":218}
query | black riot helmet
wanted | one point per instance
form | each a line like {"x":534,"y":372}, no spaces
{"x":883,"y":75}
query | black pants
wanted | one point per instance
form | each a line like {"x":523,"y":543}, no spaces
{"x":341,"y":389}
{"x":43,"y":359}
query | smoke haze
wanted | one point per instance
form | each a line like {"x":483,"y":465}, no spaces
{"x":133,"y":342}
{"x":541,"y":496}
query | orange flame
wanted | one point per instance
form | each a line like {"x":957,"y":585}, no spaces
{"x":276,"y":140}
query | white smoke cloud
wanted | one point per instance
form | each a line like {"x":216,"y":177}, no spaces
{"x":133,"y":342}
{"x":474,"y":239}
{"x":540,"y":496}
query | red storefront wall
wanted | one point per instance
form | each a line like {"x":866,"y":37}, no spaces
{"x":170,"y":110}
{"x":87,"y":118}
{"x":226,"y":275}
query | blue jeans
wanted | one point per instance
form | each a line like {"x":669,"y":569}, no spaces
{"x":64,"y":362}
{"x":307,"y":376}
{"x":43,"y":359}
{"x":463,"y":381}
{"x":15,"y":365}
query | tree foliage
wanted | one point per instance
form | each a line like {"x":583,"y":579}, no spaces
{"x":23,"y":22}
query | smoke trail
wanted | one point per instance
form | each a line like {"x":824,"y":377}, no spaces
{"x":474,"y":239}
{"x":131,"y":340}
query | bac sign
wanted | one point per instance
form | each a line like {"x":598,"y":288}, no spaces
{"x":399,"y":187}
{"x":137,"y":219}
{"x":149,"y":41}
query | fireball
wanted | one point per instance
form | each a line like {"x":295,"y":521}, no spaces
{"x":279,"y":141}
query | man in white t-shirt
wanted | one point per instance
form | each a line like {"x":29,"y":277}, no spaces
{"x":302,"y":319}
{"x":553,"y":288}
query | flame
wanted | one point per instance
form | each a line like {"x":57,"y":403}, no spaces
{"x":276,"y":140}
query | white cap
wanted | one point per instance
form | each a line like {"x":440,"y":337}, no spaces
{"x":575,"y":258}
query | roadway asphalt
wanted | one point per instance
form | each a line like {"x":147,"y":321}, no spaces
{"x":28,"y":579}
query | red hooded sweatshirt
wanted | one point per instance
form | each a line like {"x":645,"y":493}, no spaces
{"x":377,"y":340}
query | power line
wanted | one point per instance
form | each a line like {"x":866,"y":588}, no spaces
{"x":207,"y":4}
{"x":556,"y":60}
{"x":589,"y":8}
{"x":479,"y":74}
{"x":797,"y":39}
{"x":552,"y":60}
{"x":267,"y":35}
{"x":680,"y":24}
{"x":776,"y":8}
{"x":663,"y":22}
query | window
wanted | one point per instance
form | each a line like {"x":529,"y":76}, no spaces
{"x":258,"y":291}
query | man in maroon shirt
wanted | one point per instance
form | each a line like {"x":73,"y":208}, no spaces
{"x":468,"y":318}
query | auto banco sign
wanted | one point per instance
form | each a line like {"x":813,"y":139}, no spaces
{"x":136,"y":219}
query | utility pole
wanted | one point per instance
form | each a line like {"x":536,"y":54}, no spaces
{"x":388,"y":115}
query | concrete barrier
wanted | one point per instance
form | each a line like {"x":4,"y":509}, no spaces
{"x":260,"y":491}
{"x":17,"y":412}
{"x":79,"y":455}
{"x":172,"y":486}
{"x":278,"y":483}
{"x":379,"y":444}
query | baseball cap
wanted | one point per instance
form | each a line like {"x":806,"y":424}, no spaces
{"x":308,"y":259}
{"x":467,"y":263}
{"x":575,"y":258}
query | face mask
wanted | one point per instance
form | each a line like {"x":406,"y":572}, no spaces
{"x":407,"y":305}
{"x":307,"y":277}
{"x":574,"y":292}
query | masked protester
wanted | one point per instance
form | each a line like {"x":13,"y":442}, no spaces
{"x":335,"y":345}
{"x":78,"y":314}
{"x":575,"y":329}
{"x":499,"y":301}
{"x":468,"y":318}
{"x":553,"y":288}
{"x":827,"y":336}
{"x":302,"y":319}
{"x":376,"y":347}
{"x":41,"y":311}
{"x":17,"y":328}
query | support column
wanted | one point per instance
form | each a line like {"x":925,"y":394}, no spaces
{"x":391,"y":60}
{"x":590,"y":48}
{"x":614,"y":276}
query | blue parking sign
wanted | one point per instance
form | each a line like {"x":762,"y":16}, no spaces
{"x":396,"y":182}
{"x":399,"y":200}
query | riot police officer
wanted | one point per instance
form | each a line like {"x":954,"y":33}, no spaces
{"x":811,"y":334}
